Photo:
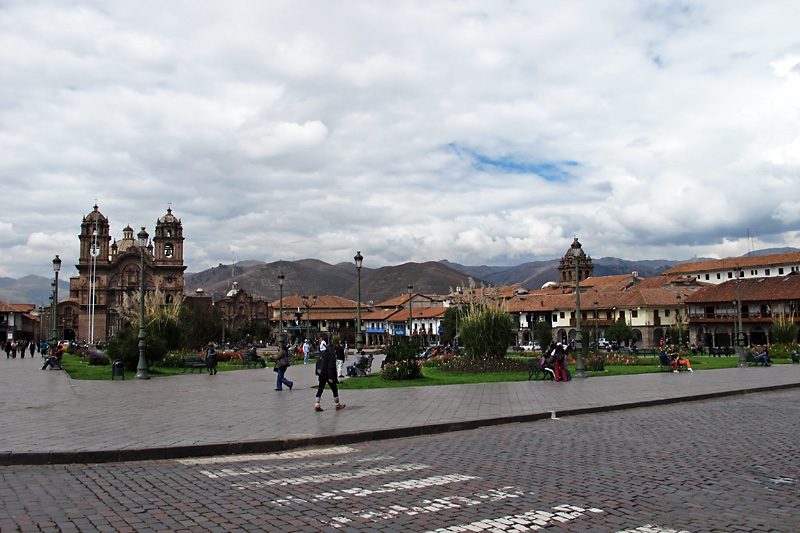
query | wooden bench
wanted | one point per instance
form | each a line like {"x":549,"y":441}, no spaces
{"x":193,"y":361}
{"x":751,"y":361}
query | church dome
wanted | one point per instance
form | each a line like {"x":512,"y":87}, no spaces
{"x":169,"y":218}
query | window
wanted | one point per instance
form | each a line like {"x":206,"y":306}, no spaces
{"x":168,"y":250}
{"x":706,"y":276}
{"x":766,"y":272}
{"x":555,"y":317}
{"x":754,"y":272}
{"x":562,"y":314}
{"x":635,"y":313}
{"x":719,"y":276}
{"x":666,"y":312}
{"x":780,"y":271}
{"x":730,"y":275}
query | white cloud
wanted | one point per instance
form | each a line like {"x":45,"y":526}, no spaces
{"x":475,"y":131}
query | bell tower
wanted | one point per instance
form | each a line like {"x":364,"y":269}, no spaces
{"x":168,"y":240}
{"x":94,"y":238}
{"x":566,"y":265}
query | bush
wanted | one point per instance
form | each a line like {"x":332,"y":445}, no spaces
{"x":487,"y":332}
{"x":596,"y":363}
{"x":402,"y":370}
{"x":98,"y":359}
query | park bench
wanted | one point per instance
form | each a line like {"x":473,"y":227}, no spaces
{"x":249,"y":361}
{"x":662,"y":366}
{"x":534,"y":370}
{"x":751,"y":361}
{"x":364,"y":367}
{"x":193,"y":361}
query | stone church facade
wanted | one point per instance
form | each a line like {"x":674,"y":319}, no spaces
{"x":115,"y":268}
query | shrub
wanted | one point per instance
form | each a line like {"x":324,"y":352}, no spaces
{"x":596,"y":363}
{"x":487,"y":332}
{"x":402,"y":370}
{"x":98,"y":359}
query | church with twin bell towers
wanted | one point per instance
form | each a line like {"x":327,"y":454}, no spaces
{"x":108,"y":271}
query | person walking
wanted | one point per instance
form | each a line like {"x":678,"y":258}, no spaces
{"x":326,"y":370}
{"x":211,"y":359}
{"x":339,"y":351}
{"x":306,"y":350}
{"x":281,"y":365}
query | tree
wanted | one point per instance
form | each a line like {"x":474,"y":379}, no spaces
{"x":450,"y":324}
{"x":783,"y":331}
{"x":543,"y":333}
{"x":200,"y":325}
{"x":487,"y":331}
{"x":619,"y":332}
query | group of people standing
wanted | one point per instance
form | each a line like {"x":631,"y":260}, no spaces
{"x":554,"y":360}
{"x":13,"y":347}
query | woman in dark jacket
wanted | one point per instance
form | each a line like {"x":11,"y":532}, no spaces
{"x":280,"y":367}
{"x":327,"y":374}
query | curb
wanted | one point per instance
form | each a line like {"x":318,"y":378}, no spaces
{"x":278,"y":445}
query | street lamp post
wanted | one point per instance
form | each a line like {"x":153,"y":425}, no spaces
{"x":308,"y":311}
{"x":410,"y":288}
{"x":281,"y":277}
{"x":740,"y":335}
{"x":580,"y":372}
{"x":54,"y":319}
{"x":596,"y":339}
{"x":141,"y":369}
{"x":679,"y":322}
{"x":359,"y":259}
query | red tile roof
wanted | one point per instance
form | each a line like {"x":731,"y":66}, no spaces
{"x":731,"y":262}
{"x":778,"y":288}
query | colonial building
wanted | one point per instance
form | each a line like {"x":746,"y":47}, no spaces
{"x":108,"y":272}
{"x":650,"y":306}
{"x":756,"y":266}
{"x":714,"y":310}
{"x":20,"y":321}
{"x":238,"y":308}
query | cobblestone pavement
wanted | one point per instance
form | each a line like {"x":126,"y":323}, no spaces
{"x":727,"y":464}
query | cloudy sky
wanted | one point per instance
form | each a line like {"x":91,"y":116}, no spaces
{"x":483,"y":132}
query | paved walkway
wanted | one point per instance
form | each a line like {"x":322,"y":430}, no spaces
{"x":48,"y":418}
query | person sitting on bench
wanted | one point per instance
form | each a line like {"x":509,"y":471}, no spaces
{"x":351,"y":369}
{"x":763,"y":357}
{"x":666,"y":361}
{"x":54,"y":359}
{"x":676,"y":357}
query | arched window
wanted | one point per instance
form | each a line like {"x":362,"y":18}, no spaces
{"x":168,"y":249}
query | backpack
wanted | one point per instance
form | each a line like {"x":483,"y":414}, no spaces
{"x":321,"y":366}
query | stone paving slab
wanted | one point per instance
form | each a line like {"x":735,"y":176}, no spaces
{"x":48,"y":418}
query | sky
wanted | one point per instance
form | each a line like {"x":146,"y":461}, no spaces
{"x":481,"y":132}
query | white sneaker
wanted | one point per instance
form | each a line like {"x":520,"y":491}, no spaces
{"x":690,"y":370}
{"x":674,"y":371}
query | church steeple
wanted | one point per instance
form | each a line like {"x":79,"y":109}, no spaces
{"x":566,"y":265}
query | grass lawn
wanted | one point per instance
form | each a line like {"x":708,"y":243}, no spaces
{"x":79,"y":368}
{"x":434,"y":376}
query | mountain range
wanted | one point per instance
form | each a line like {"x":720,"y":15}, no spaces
{"x":312,"y":276}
